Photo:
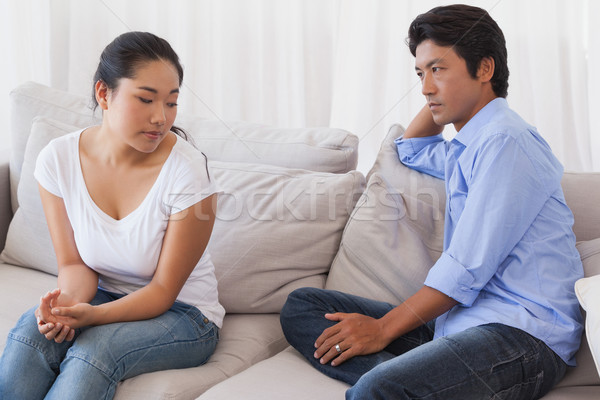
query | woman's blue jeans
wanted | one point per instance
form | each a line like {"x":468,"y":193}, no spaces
{"x":491,"y":361}
{"x":90,"y":366}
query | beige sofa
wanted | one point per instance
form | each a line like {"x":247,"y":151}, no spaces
{"x":294,"y":213}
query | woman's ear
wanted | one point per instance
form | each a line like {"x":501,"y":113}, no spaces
{"x":102,"y":94}
{"x":486,"y":69}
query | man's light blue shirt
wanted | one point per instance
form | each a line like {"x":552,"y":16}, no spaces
{"x":509,"y":249}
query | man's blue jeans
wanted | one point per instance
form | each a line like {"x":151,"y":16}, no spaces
{"x":90,"y":366}
{"x":488,"y":361}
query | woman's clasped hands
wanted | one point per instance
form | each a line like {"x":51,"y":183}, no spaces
{"x":58,"y":316}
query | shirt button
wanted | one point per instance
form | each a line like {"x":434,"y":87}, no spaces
{"x":205,"y":320}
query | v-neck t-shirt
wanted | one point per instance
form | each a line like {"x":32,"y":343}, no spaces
{"x":125,"y":252}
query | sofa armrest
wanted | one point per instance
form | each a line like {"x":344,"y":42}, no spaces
{"x":5,"y":207}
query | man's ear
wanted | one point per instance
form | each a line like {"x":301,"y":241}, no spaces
{"x":486,"y":69}
{"x":101,"y":94}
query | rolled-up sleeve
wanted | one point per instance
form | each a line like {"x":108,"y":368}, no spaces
{"x":423,"y":154}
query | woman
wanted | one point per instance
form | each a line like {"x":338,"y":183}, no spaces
{"x":130,"y":207}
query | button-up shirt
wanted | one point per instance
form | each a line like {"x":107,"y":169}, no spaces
{"x":509,"y":250}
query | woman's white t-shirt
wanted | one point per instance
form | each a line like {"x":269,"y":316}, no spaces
{"x":125,"y":252}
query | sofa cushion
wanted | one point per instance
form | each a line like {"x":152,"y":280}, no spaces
{"x":394,"y":234}
{"x":285,"y":376}
{"x":589,"y":250}
{"x":31,"y":100}
{"x":244,"y":341}
{"x":20,"y":289}
{"x":573,"y":393}
{"x":317,"y":149}
{"x":583,"y":203}
{"x":28,"y":242}
{"x":277,"y":229}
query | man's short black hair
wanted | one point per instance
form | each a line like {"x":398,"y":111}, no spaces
{"x":471,"y":32}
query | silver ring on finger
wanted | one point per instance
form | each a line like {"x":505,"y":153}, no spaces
{"x":337,"y":348}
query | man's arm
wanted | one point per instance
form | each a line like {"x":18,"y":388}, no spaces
{"x":358,"y":334}
{"x":422,"y":125}
{"x":422,"y":148}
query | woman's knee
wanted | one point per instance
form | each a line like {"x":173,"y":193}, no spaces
{"x":26,"y":333}
{"x":26,"y":325}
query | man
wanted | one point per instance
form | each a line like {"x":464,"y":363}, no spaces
{"x":497,"y":316}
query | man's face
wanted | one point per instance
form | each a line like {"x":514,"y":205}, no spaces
{"x":452,"y":94}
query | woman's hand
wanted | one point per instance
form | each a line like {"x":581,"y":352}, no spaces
{"x":75,"y":316}
{"x":48,"y":324}
{"x":355,"y":334}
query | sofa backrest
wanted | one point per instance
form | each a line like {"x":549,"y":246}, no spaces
{"x":582,"y":193}
{"x":316,"y":149}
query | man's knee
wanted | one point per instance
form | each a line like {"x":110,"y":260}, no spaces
{"x":298,"y":302}
{"x":289,"y":313}
{"x":375,"y":385}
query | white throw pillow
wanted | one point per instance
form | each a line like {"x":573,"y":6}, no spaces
{"x":395,"y":233}
{"x":28,"y":242}
{"x":588,"y":293}
{"x":277,"y":229}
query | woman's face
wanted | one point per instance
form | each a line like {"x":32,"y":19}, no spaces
{"x":142,"y":110}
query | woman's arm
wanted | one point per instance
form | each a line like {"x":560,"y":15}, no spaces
{"x":77,"y":283}
{"x":184,"y":243}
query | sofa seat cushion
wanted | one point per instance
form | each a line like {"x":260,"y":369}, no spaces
{"x":20,"y":289}
{"x":289,"y":376}
{"x":574,"y":393}
{"x":285,"y":376}
{"x":244,"y":340}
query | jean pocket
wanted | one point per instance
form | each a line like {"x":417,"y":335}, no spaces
{"x":205,"y":327}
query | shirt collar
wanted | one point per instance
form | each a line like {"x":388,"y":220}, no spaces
{"x":468,"y":133}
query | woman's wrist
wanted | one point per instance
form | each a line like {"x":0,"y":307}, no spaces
{"x":98,"y":315}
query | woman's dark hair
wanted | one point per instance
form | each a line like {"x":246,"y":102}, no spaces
{"x":124,"y":55}
{"x":471,"y":32}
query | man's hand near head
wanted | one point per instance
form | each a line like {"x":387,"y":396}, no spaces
{"x":422,"y":125}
